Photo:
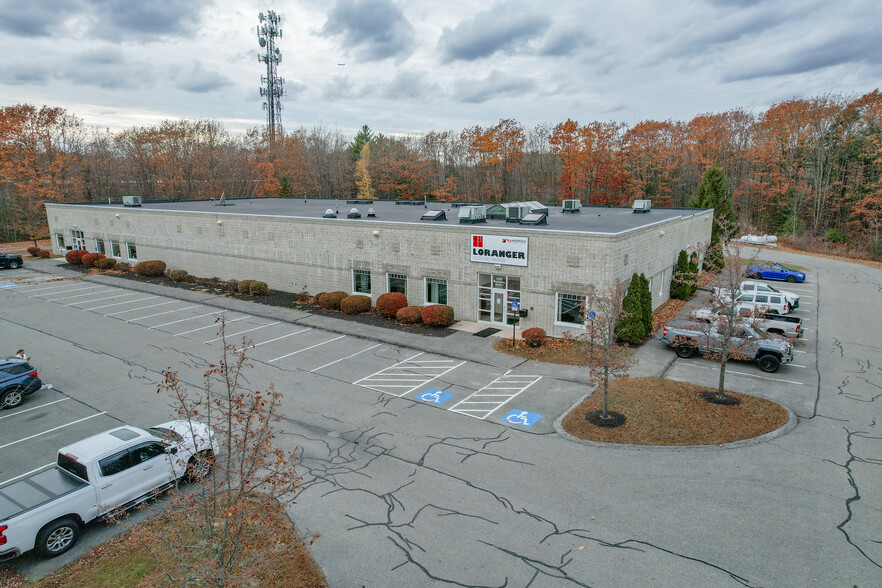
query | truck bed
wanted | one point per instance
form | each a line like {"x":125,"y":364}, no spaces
{"x":36,"y":489}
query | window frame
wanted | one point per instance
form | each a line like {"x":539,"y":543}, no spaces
{"x":59,"y":241}
{"x":438,"y":281}
{"x":361,"y":272}
{"x":100,"y":247}
{"x":558,"y":296}
{"x":129,"y":247}
{"x":389,"y":278}
{"x":115,"y":245}
{"x":103,"y":462}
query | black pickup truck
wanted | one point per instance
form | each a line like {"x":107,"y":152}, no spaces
{"x":10,"y":260}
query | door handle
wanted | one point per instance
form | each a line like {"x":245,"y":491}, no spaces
{"x":106,"y":486}
{"x":148,"y":467}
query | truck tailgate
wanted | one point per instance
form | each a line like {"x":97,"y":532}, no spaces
{"x":34,"y":490}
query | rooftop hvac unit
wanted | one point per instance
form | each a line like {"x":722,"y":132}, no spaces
{"x":329,"y":213}
{"x":354,"y":213}
{"x":472,"y":214}
{"x":537,"y":207}
{"x":131,"y":201}
{"x":572,"y":205}
{"x":641,"y":205}
{"x":515,"y":212}
{"x":434,"y":215}
{"x":371,"y":212}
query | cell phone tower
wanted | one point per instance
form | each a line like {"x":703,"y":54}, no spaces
{"x":273,"y":87}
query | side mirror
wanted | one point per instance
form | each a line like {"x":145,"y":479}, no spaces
{"x":171,"y":450}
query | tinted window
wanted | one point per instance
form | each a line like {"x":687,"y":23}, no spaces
{"x":18,"y":368}
{"x":69,"y":464}
{"x":147,"y":451}
{"x":747,"y":298}
{"x":762,"y":298}
{"x":776,"y":299}
{"x":748,"y":287}
{"x":116,"y":463}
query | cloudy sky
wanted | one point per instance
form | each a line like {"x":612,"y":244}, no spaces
{"x":413,"y":66}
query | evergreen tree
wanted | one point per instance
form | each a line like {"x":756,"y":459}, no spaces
{"x":285,"y":189}
{"x":645,"y":305}
{"x":714,"y":193}
{"x":681,"y":286}
{"x":630,"y":327}
{"x":365,"y":135}
{"x":693,"y":273}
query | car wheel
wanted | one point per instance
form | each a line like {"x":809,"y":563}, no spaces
{"x":57,"y":537}
{"x":769,"y":363}
{"x":684,"y":351}
{"x":199,"y":465}
{"x":13,"y":265}
{"x":791,"y":279}
{"x":12,"y":398}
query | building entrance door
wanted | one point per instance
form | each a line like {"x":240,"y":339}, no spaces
{"x":79,"y":242}
{"x":495,"y":295}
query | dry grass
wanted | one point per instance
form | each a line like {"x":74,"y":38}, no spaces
{"x":665,"y":412}
{"x":562,"y":351}
{"x":126,"y":562}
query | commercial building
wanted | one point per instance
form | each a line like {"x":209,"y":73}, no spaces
{"x":541,"y":258}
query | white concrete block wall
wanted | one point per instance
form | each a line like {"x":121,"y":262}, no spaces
{"x":318,"y":255}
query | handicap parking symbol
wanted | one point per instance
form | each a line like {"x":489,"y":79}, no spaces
{"x":522,"y":417}
{"x":435,"y":396}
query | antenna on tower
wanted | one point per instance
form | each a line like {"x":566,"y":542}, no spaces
{"x":273,"y":87}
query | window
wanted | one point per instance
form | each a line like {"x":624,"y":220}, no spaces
{"x":569,"y":309}
{"x":397,"y":283}
{"x":16,"y":369}
{"x":748,"y":288}
{"x":131,"y":251}
{"x":661,"y":284}
{"x":361,"y":281}
{"x":148,"y":451}
{"x":436,"y":291}
{"x":99,"y":246}
{"x":69,"y":464}
{"x":59,"y":240}
{"x":114,"y":249}
{"x":116,"y":463}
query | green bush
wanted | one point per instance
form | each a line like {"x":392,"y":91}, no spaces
{"x":390,"y":303}
{"x":630,"y":327}
{"x":245,"y":286}
{"x":646,"y":304}
{"x":150,"y":269}
{"x":258,"y":288}
{"x":534,"y":337}
{"x":837,"y":236}
{"x":178,"y":275}
{"x":331,"y":300}
{"x":437,"y":315}
{"x":108,"y":263}
{"x":409,"y":315}
{"x":682,"y":280}
{"x":356,"y":304}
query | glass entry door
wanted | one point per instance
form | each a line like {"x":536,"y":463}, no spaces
{"x":495,"y":295}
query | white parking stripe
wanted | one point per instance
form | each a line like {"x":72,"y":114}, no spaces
{"x":53,"y":429}
{"x":464,"y":405}
{"x":118,"y":303}
{"x":100,"y":299}
{"x":307,"y":348}
{"x":241,"y":332}
{"x":27,"y":473}
{"x":381,"y":380}
{"x":141,"y":307}
{"x":729,"y":371}
{"x":162,"y":313}
{"x":342,"y":358}
{"x":76,"y":296}
{"x":56,"y":287}
{"x":277,"y":338}
{"x":187,"y":319}
{"x":241,"y":318}
{"x":33,"y":408}
{"x":68,"y":286}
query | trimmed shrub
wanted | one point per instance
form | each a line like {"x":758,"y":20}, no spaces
{"x":44,"y":253}
{"x":331,"y":300}
{"x":410,"y":315}
{"x":123,"y":266}
{"x":319,"y":298}
{"x":75,"y":257}
{"x":258,"y":288}
{"x":232,"y":285}
{"x":534,"y":337}
{"x":178,"y":275}
{"x":437,"y":315}
{"x":150,"y":269}
{"x":34,"y":250}
{"x":245,"y":286}
{"x":356,"y":304}
{"x":390,"y":303}
{"x":89,"y":259}
{"x":107,"y":263}
{"x":630,"y":327}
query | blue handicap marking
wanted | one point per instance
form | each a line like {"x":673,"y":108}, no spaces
{"x":514,"y":305}
{"x":522,"y":417}
{"x":8,"y":285}
{"x":435,"y":396}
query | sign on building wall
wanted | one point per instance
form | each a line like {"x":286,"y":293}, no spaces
{"x":501,"y":250}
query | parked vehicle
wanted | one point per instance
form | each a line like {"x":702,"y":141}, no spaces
{"x":774,"y":303}
{"x":774,"y":324}
{"x":17,"y":380}
{"x":774,"y":271}
{"x":688,"y":337}
{"x":114,"y":470}
{"x":751,"y":287}
{"x":11,"y":260}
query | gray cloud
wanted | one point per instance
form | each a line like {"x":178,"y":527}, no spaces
{"x":339,"y":88}
{"x":409,"y":85}
{"x":501,"y":28}
{"x":854,"y":47}
{"x":564,"y":42}
{"x":20,"y":75}
{"x":108,"y":69}
{"x":199,"y":80}
{"x":35,"y":19}
{"x":119,"y":19}
{"x":374,"y":30}
{"x":495,"y":85}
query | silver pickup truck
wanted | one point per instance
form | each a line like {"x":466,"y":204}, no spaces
{"x":689,"y":337}
{"x":774,"y":324}
{"x":46,"y":510}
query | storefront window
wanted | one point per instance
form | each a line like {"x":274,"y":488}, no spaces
{"x":436,"y":291}
{"x":569,"y":309}
{"x":361,"y":281}
{"x":397,"y":283}
{"x":132,"y":251}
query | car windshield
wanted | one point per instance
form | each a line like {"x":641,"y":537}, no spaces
{"x":166,"y":434}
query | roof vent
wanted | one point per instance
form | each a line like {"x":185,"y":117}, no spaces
{"x":131,"y":201}
{"x":572,"y":205}
{"x":535,"y":218}
{"x":329,"y":213}
{"x":472,"y":214}
{"x":371,"y":212}
{"x":641,"y":205}
{"x":354,"y":213}
{"x":434,"y":215}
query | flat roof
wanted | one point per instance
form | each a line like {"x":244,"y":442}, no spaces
{"x":591,"y":219}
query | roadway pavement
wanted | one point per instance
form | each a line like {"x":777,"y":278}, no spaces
{"x":407,"y":490}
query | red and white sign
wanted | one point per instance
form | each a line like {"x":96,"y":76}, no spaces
{"x":499,"y":250}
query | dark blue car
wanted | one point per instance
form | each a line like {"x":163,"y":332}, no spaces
{"x":774,"y":271}
{"x":17,"y":380}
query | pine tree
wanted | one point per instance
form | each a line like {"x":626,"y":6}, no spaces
{"x":285,"y":189}
{"x":645,"y":305}
{"x":714,"y":193}
{"x":630,"y":327}
{"x":680,"y":283}
{"x":693,"y":273}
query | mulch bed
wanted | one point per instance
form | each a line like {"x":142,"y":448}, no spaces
{"x":665,"y":412}
{"x":275,"y":298}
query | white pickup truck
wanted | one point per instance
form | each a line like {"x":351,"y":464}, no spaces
{"x":117,"y":469}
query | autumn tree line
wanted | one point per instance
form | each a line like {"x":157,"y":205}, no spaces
{"x":803,"y":167}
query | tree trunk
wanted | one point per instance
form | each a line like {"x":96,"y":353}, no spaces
{"x":721,"y":390}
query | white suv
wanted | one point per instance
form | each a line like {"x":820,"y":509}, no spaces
{"x":752,"y":287}
{"x":763,"y":302}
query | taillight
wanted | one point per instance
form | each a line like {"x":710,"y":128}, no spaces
{"x":33,"y":373}
{"x":798,"y":327}
{"x":2,"y":536}
{"x":666,"y":332}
